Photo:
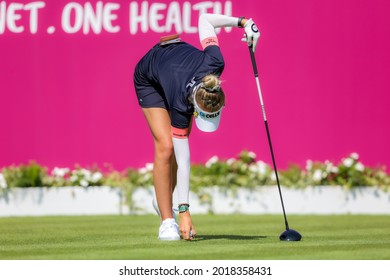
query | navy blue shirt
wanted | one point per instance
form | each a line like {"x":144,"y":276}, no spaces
{"x":172,"y":71}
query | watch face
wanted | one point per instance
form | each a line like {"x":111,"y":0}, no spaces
{"x":183,"y":208}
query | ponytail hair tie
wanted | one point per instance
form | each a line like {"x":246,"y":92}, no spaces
{"x":215,"y":89}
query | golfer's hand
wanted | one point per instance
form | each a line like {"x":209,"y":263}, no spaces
{"x":252,"y":34}
{"x":186,"y":227}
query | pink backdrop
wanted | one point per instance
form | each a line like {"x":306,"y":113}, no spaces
{"x":68,"y":97}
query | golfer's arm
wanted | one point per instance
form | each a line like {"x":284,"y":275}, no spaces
{"x":182,"y":154}
{"x":208,"y":22}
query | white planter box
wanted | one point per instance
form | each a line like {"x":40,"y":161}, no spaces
{"x":60,"y":201}
{"x":261,"y":200}
{"x":310,"y":200}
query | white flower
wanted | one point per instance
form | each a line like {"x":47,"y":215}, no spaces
{"x":149,"y":166}
{"x":317,"y":175}
{"x":328,"y":166}
{"x":59,"y":172}
{"x":211,"y":161}
{"x":143,"y":170}
{"x":359,"y":167}
{"x":348,"y":162}
{"x":230,"y":161}
{"x":273,"y":177}
{"x":74,"y":178}
{"x":253,"y":168}
{"x":309,"y":165}
{"x":84,"y":183}
{"x":252,"y":155}
{"x":261,"y":167}
{"x":334,"y":169}
{"x":3,"y":182}
{"x":244,"y":167}
{"x":87,"y":174}
{"x":354,"y":156}
{"x":96,"y":176}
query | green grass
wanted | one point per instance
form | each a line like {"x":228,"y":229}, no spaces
{"x":234,"y":237}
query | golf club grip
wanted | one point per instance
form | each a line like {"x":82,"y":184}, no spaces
{"x":254,"y":65}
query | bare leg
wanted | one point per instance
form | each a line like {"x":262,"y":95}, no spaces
{"x":160,"y":126}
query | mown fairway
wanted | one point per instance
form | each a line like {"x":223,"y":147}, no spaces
{"x":233,"y":237}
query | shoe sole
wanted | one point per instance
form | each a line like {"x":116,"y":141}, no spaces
{"x":169,"y":239}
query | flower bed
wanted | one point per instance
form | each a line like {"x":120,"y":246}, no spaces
{"x":232,"y":176}
{"x":243,"y":171}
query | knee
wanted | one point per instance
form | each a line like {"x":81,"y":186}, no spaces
{"x":164,"y":150}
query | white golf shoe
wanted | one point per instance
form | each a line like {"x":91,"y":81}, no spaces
{"x":169,"y":230}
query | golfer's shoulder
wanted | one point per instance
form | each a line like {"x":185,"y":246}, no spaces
{"x":214,"y":53}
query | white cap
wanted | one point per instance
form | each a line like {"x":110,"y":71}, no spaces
{"x":206,"y":121}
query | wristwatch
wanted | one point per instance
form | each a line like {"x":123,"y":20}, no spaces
{"x":184,"y":208}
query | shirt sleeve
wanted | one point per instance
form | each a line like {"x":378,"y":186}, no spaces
{"x":182,"y":154}
{"x":207,"y":24}
{"x":215,"y":60}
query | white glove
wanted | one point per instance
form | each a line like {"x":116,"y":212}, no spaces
{"x":252,"y":34}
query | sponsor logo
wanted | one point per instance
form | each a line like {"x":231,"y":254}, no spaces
{"x":254,"y":28}
{"x":209,"y":116}
{"x":211,"y":42}
{"x":191,"y":83}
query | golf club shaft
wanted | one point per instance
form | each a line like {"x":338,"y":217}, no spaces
{"x":267,"y":130}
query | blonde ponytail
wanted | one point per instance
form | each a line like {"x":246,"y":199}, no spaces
{"x":210,"y":82}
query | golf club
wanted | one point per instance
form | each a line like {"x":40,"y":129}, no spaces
{"x":288,"y":234}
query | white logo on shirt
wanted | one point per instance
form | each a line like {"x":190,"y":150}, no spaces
{"x":192,"y":83}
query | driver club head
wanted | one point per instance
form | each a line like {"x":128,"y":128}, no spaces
{"x":290,"y":235}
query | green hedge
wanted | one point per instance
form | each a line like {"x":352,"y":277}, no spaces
{"x":243,"y":171}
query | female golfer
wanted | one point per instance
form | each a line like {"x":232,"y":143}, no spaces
{"x":175,"y":81}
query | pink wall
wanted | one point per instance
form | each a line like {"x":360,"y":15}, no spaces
{"x":68,"y":98}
